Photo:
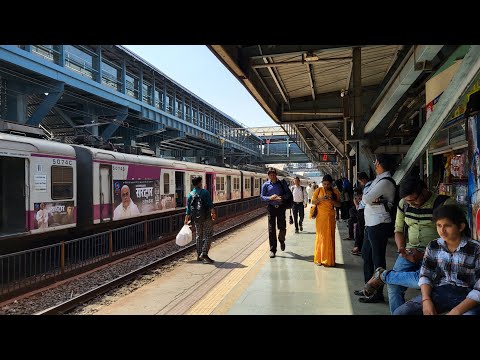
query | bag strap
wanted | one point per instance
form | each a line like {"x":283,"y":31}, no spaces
{"x":440,"y":200}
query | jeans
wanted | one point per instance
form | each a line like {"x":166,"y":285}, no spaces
{"x":374,"y":249}
{"x":298,"y":209}
{"x":351,"y":221}
{"x":360,"y":230}
{"x":276,"y":217}
{"x":404,"y":274}
{"x":444,"y":297}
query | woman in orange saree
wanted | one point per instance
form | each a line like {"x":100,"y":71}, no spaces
{"x":325,"y":199}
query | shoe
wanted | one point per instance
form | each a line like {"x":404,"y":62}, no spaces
{"x":359,"y":292}
{"x":206,"y":259}
{"x":282,"y":245}
{"x":296,"y":231}
{"x":199,"y":258}
{"x":301,"y":228}
{"x":272,"y":254}
{"x":348,"y":238}
{"x":371,"y":299}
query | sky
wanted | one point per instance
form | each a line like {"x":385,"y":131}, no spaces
{"x":197,"y":69}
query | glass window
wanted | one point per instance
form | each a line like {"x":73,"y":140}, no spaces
{"x":81,"y":60}
{"x":62,"y":182}
{"x":111,"y":76}
{"x":147,"y":93}
{"x":169,"y":101}
{"x":132,"y":85}
{"x":166,"y":183}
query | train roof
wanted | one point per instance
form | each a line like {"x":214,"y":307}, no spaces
{"x":33,"y":145}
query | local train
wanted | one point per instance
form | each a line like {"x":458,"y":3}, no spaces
{"x":48,"y":186}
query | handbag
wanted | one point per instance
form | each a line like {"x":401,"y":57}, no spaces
{"x":313,"y":212}
{"x":291,"y":217}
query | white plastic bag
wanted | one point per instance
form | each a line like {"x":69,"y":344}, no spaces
{"x":184,"y":236}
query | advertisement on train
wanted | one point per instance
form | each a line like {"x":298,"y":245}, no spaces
{"x":50,"y":214}
{"x":135,"y":197}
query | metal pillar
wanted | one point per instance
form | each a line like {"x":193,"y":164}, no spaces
{"x":47,"y":104}
{"x":99,"y":64}
{"x":61,"y":55}
{"x":124,"y":76}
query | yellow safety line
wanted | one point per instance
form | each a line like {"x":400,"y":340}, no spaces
{"x":214,"y":297}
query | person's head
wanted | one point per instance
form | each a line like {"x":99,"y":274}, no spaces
{"x":69,"y":210}
{"x":363,"y":178}
{"x":382,"y":163}
{"x":414,"y":191}
{"x":197,"y":181}
{"x":327,"y":181}
{"x":309,"y":184}
{"x":297,"y":181}
{"x":42,"y":206}
{"x":125,"y":193}
{"x":451,"y":222}
{"x":272,"y":174}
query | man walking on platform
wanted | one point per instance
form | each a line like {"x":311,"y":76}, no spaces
{"x":200,"y":210}
{"x":275,"y":192}
{"x":300,"y":198}
{"x":309,"y":192}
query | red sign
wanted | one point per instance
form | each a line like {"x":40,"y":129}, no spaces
{"x":325,"y":157}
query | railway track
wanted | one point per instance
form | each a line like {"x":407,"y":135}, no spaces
{"x":69,"y":305}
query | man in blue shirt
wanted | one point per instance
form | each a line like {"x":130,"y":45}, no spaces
{"x":274,"y":192}
{"x":200,"y":210}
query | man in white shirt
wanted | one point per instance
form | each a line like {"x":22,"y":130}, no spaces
{"x":300,"y":201}
{"x":127,"y":208}
{"x":309,"y":192}
{"x":42,"y":217}
{"x":377,"y":223}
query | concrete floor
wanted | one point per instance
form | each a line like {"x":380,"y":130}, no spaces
{"x":244,"y":280}
{"x":291,"y":283}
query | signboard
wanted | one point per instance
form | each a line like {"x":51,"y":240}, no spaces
{"x":49,"y":214}
{"x":40,"y":183}
{"x":327,"y":158}
{"x":135,"y":197}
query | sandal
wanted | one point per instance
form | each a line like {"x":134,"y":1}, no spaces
{"x":372,"y":286}
{"x":355,"y":252}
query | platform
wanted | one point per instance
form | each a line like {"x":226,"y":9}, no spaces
{"x":244,"y":280}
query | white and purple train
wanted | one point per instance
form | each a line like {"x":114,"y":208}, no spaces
{"x":47,"y":186}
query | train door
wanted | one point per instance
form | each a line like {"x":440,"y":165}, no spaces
{"x":105,"y":193}
{"x":252,"y":185}
{"x":179,"y":188}
{"x":209,"y":180}
{"x":12,"y":195}
{"x":229,"y":187}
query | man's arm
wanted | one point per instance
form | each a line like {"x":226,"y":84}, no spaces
{"x":399,"y":228}
{"x":263,"y":194}
{"x":381,"y":188}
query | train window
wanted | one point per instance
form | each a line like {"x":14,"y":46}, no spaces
{"x":220,"y":184}
{"x":236,"y":184}
{"x":247,"y":183}
{"x":166,"y":183}
{"x":62,"y":182}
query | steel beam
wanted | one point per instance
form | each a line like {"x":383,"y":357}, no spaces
{"x":295,"y":63}
{"x":110,"y":129}
{"x":331,"y":138}
{"x":47,"y":104}
{"x":64,"y":116}
{"x":459,"y":85}
{"x":402,"y":82}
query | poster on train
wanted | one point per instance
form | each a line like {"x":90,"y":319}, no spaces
{"x":50,"y":214}
{"x":473,"y":133}
{"x":135,"y":197}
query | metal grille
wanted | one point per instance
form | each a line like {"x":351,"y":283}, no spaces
{"x":23,"y":270}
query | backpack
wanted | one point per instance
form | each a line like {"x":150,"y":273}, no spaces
{"x":393,"y":209}
{"x":288,"y":201}
{"x":198,"y":207}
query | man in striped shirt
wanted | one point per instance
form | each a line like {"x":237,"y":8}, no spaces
{"x":415,"y":211}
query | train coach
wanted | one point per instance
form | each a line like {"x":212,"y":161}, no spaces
{"x":48,"y":186}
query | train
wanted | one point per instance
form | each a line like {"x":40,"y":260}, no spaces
{"x":48,"y":186}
